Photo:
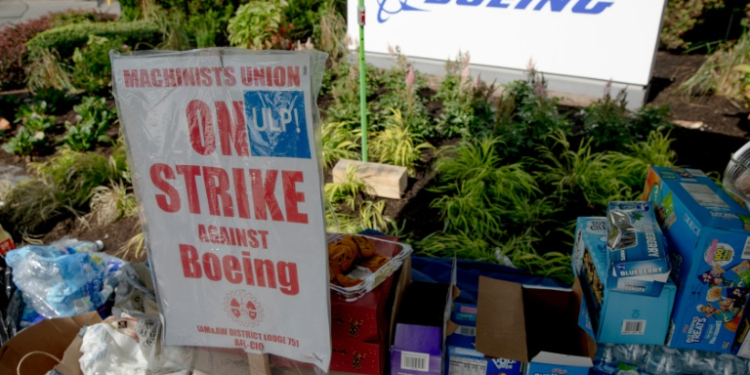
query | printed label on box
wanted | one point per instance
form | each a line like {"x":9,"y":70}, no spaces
{"x":415,"y":361}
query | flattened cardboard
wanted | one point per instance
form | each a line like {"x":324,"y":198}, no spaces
{"x":501,"y":331}
{"x":51,"y":336}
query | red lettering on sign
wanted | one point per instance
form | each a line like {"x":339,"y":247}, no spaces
{"x":189,"y":258}
{"x":229,"y":79}
{"x":171,"y":201}
{"x":211,"y":266}
{"x":217,"y":188}
{"x":240,"y":189}
{"x":189,"y":172}
{"x":263,"y":195}
{"x":292,"y":197}
{"x":232,"y":129}
{"x":232,"y":269}
{"x":201,"y":127}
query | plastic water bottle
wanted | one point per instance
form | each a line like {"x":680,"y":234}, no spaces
{"x":73,"y":246}
{"x":728,"y":364}
{"x":664,"y":361}
{"x":695,"y":362}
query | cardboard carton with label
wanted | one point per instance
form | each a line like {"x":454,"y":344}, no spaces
{"x":709,"y":240}
{"x":611,"y":316}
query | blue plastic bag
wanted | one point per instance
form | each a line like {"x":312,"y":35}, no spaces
{"x":62,"y":282}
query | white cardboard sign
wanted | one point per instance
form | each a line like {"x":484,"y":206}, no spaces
{"x":596,"y":39}
{"x":224,"y":162}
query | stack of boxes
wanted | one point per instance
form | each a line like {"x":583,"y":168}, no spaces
{"x":620,"y":308}
{"x":623,"y":262}
{"x":708,"y":236}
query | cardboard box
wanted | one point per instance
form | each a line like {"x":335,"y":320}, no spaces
{"x":637,"y":250}
{"x":538,"y":326}
{"x":420,"y":326}
{"x":52,"y":336}
{"x":708,"y":237}
{"x":611,"y":316}
{"x":463,"y":358}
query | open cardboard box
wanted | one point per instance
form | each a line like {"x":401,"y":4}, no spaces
{"x":52,"y":336}
{"x":538,"y":326}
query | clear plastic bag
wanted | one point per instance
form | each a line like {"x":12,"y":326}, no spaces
{"x":62,"y":282}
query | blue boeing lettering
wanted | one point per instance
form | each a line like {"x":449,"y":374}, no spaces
{"x":388,"y":8}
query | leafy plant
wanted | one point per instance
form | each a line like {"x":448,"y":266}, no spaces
{"x":680,"y":17}
{"x":110,"y":203}
{"x":397,"y":144}
{"x":339,"y":142}
{"x":92,"y":70}
{"x":346,"y":191}
{"x":527,"y":116}
{"x":25,"y":142}
{"x":34,"y":118}
{"x":90,"y":130}
{"x":717,"y":75}
{"x":30,"y":205}
{"x":74,"y":16}
{"x":13,"y":38}
{"x":134,"y":248}
{"x":77,"y":174}
{"x":371,"y":215}
{"x":206,"y":27}
{"x":466,"y":102}
{"x":258,"y":25}
{"x":329,"y":29}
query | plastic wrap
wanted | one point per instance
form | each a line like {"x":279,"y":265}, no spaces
{"x":223,"y":146}
{"x":61,"y":281}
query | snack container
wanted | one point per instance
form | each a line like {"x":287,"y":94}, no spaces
{"x":709,"y":240}
{"x":394,"y":251}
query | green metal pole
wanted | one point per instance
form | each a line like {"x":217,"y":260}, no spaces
{"x":362,"y":79}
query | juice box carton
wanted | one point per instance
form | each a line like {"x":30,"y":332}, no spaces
{"x":463,"y":358}
{"x":613,"y":317}
{"x":638,"y":259}
{"x":709,"y":241}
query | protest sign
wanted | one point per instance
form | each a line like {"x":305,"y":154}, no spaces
{"x":225,"y":166}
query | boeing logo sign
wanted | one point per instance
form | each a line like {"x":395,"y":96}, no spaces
{"x":388,"y":8}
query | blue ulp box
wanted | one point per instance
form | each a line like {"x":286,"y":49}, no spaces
{"x":638,"y":259}
{"x":463,"y":358}
{"x":610,"y":316}
{"x":709,"y":242}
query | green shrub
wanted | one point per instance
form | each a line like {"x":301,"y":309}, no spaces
{"x":258,"y":25}
{"x":25,"y":142}
{"x":718,"y":74}
{"x":612,"y":127}
{"x":90,"y":130}
{"x":329,"y":31}
{"x":398,"y":144}
{"x":527,"y":117}
{"x":92,"y":70}
{"x":77,"y":174}
{"x":339,"y":142}
{"x":208,"y":28}
{"x":680,"y":17}
{"x":466,"y":103}
{"x":66,"y":39}
{"x":74,"y":16}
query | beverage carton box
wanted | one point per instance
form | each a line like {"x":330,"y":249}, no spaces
{"x":463,"y":358}
{"x":637,"y":249}
{"x":709,"y":241}
{"x":613,"y":317}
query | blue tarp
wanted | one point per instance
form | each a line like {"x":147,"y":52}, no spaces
{"x":438,"y":270}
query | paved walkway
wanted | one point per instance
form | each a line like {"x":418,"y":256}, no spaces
{"x":12,"y":11}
